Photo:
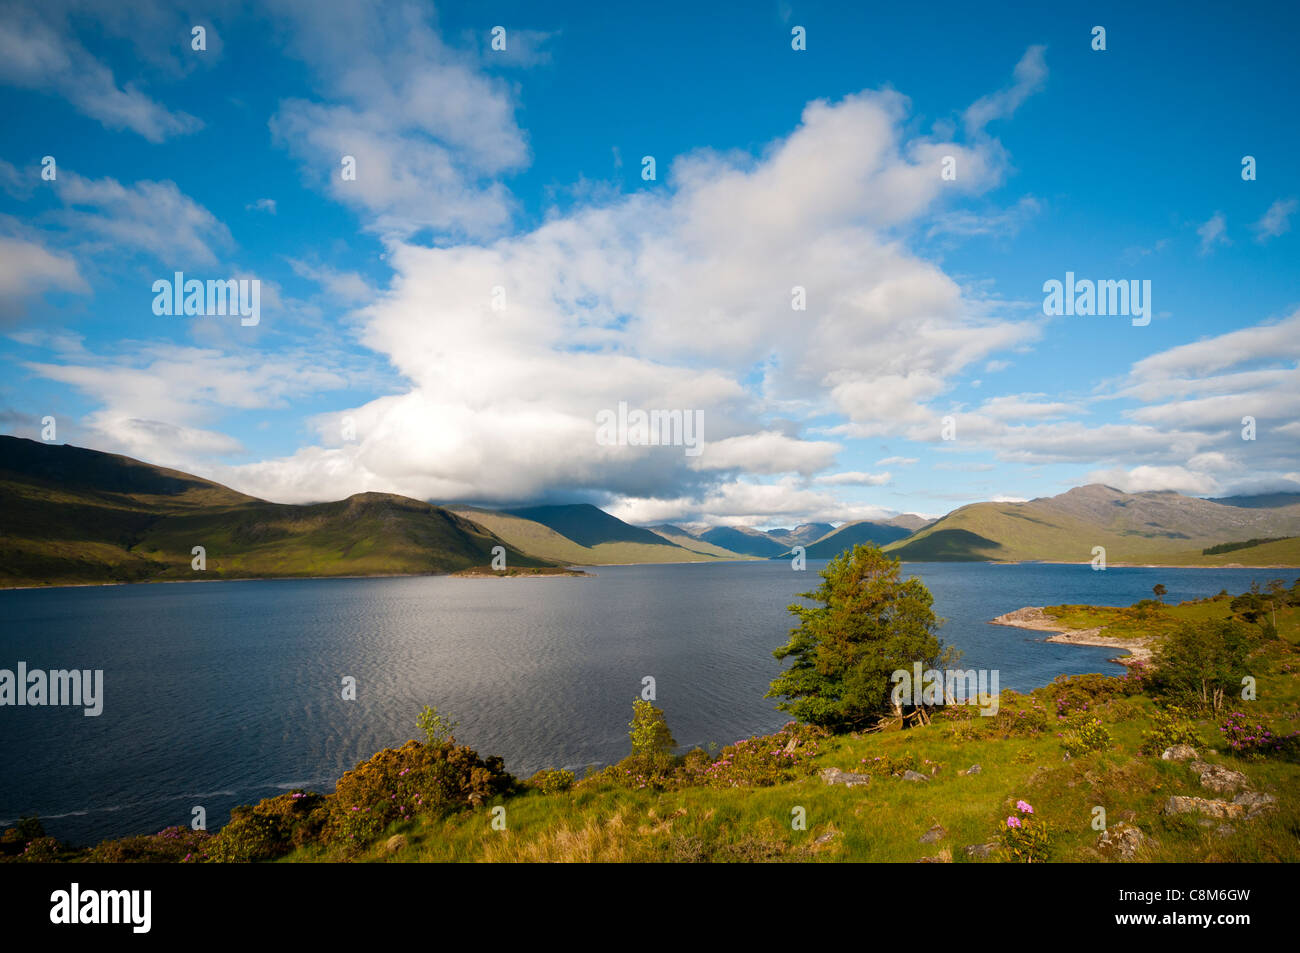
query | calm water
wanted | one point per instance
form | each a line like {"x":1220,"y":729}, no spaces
{"x":224,"y":693}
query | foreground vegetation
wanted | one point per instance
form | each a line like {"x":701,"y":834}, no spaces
{"x":1194,"y":759}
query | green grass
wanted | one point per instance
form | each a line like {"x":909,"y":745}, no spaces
{"x":1063,"y":530}
{"x":1130,"y":623}
{"x":883,"y":822}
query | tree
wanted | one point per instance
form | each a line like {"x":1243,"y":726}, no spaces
{"x":1159,"y":590}
{"x":437,"y":729}
{"x":1200,"y":664}
{"x":652,"y":742}
{"x":1276,"y":589}
{"x":869,"y":623}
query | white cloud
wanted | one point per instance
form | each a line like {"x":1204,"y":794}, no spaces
{"x":854,"y":478}
{"x":1213,"y":232}
{"x":1030,"y":77}
{"x":155,"y":217}
{"x":36,"y":54}
{"x":425,"y":126}
{"x":1276,"y":221}
{"x":28,"y":268}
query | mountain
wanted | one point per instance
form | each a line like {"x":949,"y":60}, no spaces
{"x":587,"y":525}
{"x":850,"y":535}
{"x":602,"y":539}
{"x":687,"y":540}
{"x":908,"y":521}
{"x":1163,"y":527}
{"x":71,"y":515}
{"x":742,"y":539}
{"x":801,"y":535}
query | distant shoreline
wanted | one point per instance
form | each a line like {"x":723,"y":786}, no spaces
{"x":1034,"y":618}
{"x":558,"y":572}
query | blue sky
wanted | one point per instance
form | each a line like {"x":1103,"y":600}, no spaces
{"x":380,"y":363}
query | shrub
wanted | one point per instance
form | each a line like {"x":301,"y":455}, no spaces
{"x":552,"y":781}
{"x":170,"y":845}
{"x":1021,"y":721}
{"x":1170,"y":727}
{"x":1079,"y":693}
{"x":652,"y":743}
{"x":756,"y":762}
{"x":1253,"y":739}
{"x":1198,"y":666}
{"x":1087,"y":735}
{"x":1025,"y":838}
{"x":437,"y":729}
{"x":399,"y":783}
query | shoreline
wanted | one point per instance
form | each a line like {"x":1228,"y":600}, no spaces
{"x":1035,"y":619}
{"x":565,"y":571}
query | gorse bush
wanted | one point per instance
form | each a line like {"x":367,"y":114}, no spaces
{"x":1170,"y":727}
{"x":550,"y":781}
{"x":1088,"y":734}
{"x":268,"y":829}
{"x":399,"y":783}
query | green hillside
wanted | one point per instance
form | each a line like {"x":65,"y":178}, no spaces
{"x":545,"y":543}
{"x":71,"y":516}
{"x":851,"y":534}
{"x":1161,"y":528}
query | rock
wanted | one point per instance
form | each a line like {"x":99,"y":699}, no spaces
{"x":981,"y":850}
{"x":1120,"y":842}
{"x":1178,"y":753}
{"x":973,"y":769}
{"x":914,"y":776}
{"x":827,"y":837}
{"x":1254,"y":803}
{"x":944,"y":857}
{"x":1225,"y":830}
{"x":1199,"y":805}
{"x":792,"y":744}
{"x":1219,"y":779}
{"x":395,"y":843}
{"x":1247,"y":805}
{"x":933,"y":834}
{"x":847,"y":778}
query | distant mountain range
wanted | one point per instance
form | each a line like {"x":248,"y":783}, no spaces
{"x":71,"y":515}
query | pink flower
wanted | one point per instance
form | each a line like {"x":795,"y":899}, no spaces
{"x":1024,"y":807}
{"x":1013,"y":821}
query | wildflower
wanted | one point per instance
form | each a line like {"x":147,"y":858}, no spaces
{"x":1024,"y":807}
{"x":1013,"y":821}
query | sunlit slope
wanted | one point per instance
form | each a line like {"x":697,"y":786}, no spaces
{"x":70,"y":515}
{"x":1164,"y":528}
{"x":541,"y":541}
